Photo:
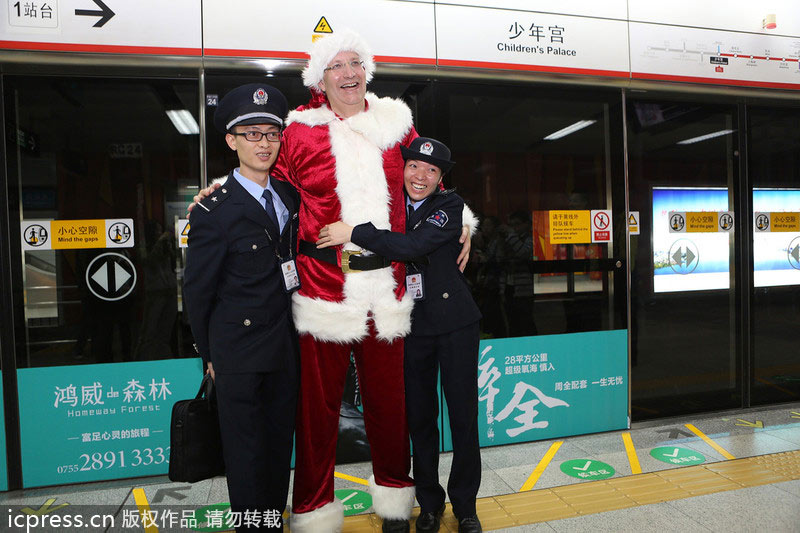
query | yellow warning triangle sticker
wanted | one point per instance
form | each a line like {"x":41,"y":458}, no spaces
{"x":186,"y":230}
{"x":632,"y":220}
{"x":323,"y":26}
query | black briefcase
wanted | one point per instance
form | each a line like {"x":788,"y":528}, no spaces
{"x":196,"y":447}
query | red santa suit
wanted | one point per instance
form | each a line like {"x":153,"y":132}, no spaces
{"x":349,"y":169}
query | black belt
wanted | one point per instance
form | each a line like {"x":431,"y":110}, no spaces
{"x":352,"y":261}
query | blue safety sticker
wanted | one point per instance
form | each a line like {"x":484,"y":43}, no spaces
{"x":439,"y":218}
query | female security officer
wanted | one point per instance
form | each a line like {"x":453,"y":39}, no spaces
{"x":444,"y":331}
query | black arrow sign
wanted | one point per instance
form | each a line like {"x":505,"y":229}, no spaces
{"x":674,"y":433}
{"x":105,"y":15}
{"x":174,"y":492}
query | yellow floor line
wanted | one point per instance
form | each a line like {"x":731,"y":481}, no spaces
{"x":633,"y":459}
{"x":540,"y":468}
{"x":725,"y":453}
{"x":144,"y":511}
{"x":351,"y":478}
{"x":579,"y":499}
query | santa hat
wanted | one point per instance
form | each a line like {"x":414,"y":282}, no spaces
{"x":324,"y":49}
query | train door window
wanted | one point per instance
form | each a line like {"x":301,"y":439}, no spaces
{"x":99,"y":173}
{"x":101,"y":170}
{"x":682,"y":169}
{"x":537,"y":164}
{"x":774,"y":167}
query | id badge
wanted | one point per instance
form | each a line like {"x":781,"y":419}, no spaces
{"x":291,"y":279}
{"x":415,"y":287}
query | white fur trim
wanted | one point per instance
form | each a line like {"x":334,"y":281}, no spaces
{"x":393,"y":503}
{"x":315,"y":116}
{"x":324,"y":49}
{"x":346,"y":321}
{"x":357,"y":145}
{"x":384,"y":124}
{"x":328,"y":518}
{"x":469,"y":219}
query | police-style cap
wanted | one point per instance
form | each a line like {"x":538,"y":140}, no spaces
{"x":429,"y":150}
{"x":254,"y":103}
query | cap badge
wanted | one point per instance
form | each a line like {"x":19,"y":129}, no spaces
{"x":426,"y":148}
{"x":260,"y":97}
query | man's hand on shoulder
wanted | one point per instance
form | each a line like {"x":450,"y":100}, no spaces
{"x":202,"y":195}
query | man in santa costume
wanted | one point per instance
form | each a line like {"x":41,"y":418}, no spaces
{"x":342,"y":153}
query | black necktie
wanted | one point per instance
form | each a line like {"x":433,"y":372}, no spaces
{"x":270,"y":209}
{"x":410,"y":212}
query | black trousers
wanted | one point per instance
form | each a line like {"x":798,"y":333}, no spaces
{"x":456,"y":353}
{"x":256,"y":419}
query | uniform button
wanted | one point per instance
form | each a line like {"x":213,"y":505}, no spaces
{"x":247,"y":322}
{"x":445,"y":296}
{"x":255,"y":247}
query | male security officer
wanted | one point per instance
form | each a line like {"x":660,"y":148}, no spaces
{"x":239,"y":275}
{"x":444,"y":331}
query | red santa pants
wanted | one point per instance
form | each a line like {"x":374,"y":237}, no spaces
{"x":323,"y":366}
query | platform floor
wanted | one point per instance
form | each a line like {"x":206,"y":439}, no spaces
{"x":731,"y":471}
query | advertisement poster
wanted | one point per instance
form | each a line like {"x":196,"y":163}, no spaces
{"x":550,"y":386}
{"x":94,"y":422}
{"x":700,"y":261}
{"x":688,"y":261}
{"x":776,"y":253}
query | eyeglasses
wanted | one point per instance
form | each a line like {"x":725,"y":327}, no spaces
{"x":255,"y":136}
{"x":339,"y":67}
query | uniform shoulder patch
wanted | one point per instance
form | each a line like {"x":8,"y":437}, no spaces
{"x":447,"y":191}
{"x":438,"y":218}
{"x":214,"y":199}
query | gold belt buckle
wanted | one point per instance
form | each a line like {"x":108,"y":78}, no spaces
{"x":346,"y":260}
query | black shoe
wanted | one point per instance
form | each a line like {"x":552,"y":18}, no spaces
{"x":470,"y":524}
{"x":429,"y":522}
{"x":396,"y":525}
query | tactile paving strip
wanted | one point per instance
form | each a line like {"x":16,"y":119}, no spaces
{"x":591,"y":497}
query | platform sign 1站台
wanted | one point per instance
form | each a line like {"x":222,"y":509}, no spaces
{"x":677,"y":456}
{"x":587,"y":469}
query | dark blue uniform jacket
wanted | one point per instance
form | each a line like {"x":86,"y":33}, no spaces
{"x":433,"y":231}
{"x":233,"y":288}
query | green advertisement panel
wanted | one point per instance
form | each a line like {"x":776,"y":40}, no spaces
{"x":96,"y":422}
{"x":549,"y":386}
{"x":3,"y":465}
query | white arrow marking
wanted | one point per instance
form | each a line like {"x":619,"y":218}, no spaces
{"x":101,"y":276}
{"x":121,"y":275}
{"x":673,"y":454}
{"x":585,"y":467}
{"x":350,"y":496}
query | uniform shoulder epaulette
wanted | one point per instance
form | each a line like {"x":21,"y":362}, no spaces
{"x":447,"y":191}
{"x":214,"y":199}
